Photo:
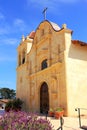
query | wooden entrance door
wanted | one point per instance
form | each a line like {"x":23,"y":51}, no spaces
{"x":44,"y":98}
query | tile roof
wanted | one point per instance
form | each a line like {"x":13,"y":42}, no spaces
{"x":4,"y":100}
{"x":32,"y":34}
{"x":55,"y":26}
{"x":79,"y":42}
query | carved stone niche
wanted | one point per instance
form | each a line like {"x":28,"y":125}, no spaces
{"x":42,"y":32}
{"x":54,"y":95}
{"x":32,"y":91}
{"x":54,"y":98}
{"x":54,"y":86}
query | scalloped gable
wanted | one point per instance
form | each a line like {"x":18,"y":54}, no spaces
{"x":53,"y":25}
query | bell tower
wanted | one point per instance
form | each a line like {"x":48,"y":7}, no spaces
{"x":24,"y":48}
{"x":22,"y":52}
{"x":22,"y":63}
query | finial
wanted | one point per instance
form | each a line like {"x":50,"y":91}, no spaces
{"x":27,"y":37}
{"x":64,"y":26}
{"x":23,"y":38}
{"x":44,"y":12}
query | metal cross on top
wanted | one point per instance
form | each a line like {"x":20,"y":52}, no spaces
{"x":44,"y":12}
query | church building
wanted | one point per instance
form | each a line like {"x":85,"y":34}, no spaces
{"x":52,"y":70}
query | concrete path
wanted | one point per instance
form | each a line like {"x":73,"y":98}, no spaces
{"x":70,"y":123}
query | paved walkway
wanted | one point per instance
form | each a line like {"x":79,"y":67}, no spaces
{"x":70,"y":123}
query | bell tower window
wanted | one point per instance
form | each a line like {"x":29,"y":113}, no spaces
{"x":23,"y":61}
{"x":23,"y":58}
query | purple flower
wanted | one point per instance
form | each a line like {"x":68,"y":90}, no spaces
{"x":24,"y":121}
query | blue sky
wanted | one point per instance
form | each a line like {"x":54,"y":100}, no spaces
{"x":20,"y":17}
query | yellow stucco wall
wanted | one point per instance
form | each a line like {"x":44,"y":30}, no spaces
{"x":65,"y":75}
{"x":76,"y":77}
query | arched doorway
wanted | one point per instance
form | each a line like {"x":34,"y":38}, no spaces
{"x":44,"y":98}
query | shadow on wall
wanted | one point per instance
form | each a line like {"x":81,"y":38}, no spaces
{"x":78,"y":51}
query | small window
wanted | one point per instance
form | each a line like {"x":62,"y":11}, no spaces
{"x":44,"y":64}
{"x":23,"y":57}
{"x":23,"y":61}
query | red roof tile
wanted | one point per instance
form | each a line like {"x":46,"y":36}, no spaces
{"x":79,"y":42}
{"x":32,"y":34}
{"x":4,"y":100}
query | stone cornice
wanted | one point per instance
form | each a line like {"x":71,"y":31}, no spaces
{"x":45,"y":71}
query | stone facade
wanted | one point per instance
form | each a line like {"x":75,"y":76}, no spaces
{"x":52,"y":70}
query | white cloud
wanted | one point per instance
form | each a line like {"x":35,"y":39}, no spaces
{"x":52,"y":2}
{"x":5,"y":83}
{"x":6,"y":58}
{"x":68,"y":1}
{"x":8,"y":41}
{"x":5,"y":29}
{"x":53,"y":5}
{"x":19,"y":23}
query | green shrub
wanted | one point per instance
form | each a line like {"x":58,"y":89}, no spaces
{"x":15,"y":104}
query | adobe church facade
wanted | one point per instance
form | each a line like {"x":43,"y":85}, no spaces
{"x":52,"y":70}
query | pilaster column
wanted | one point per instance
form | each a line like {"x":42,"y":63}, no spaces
{"x":49,"y":53}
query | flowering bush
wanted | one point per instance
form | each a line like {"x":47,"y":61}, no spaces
{"x":23,"y":121}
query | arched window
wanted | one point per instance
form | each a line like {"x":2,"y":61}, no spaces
{"x":23,"y":58}
{"x":44,"y":64}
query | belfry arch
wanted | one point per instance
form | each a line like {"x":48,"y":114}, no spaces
{"x":44,"y":98}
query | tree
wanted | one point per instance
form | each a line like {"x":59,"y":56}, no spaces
{"x":7,"y":93}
